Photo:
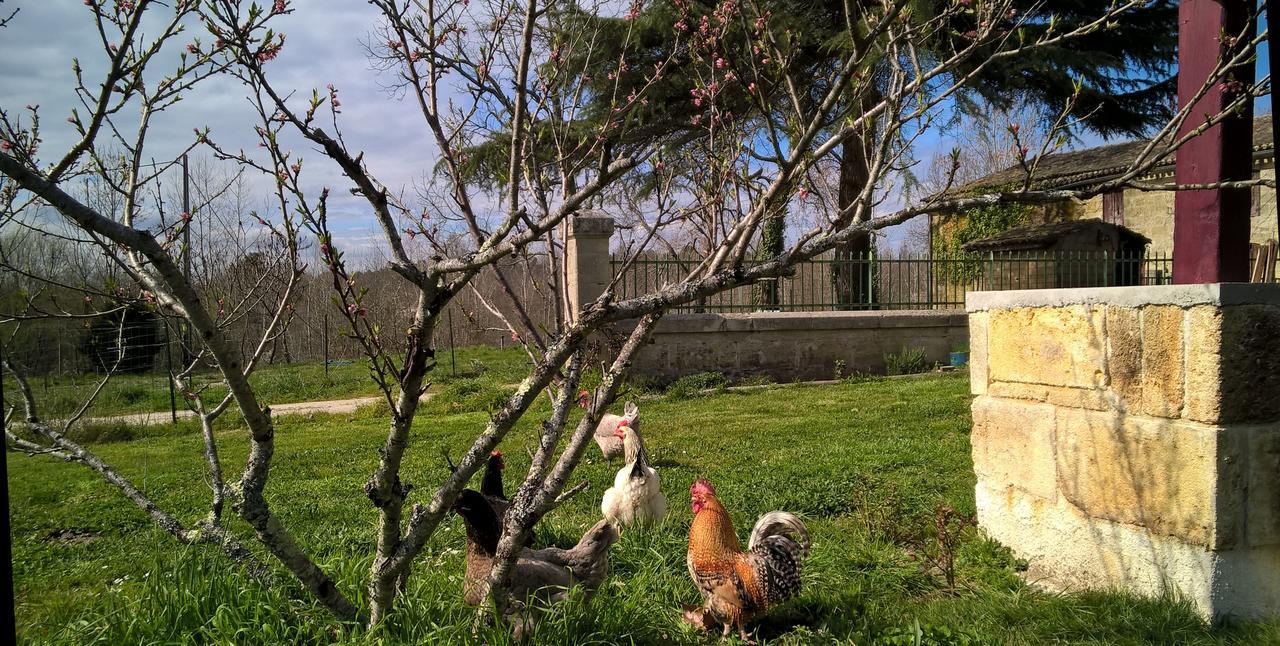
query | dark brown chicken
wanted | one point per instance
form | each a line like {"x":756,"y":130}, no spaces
{"x":544,"y":575}
{"x":491,"y":482}
{"x":739,"y":586}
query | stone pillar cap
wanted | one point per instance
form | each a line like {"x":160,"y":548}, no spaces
{"x":590,"y":224}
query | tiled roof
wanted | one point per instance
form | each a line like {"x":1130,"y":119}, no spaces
{"x":1082,"y":168}
{"x":1039,"y":236}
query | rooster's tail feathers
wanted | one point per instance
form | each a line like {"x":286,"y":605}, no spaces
{"x":782,"y":523}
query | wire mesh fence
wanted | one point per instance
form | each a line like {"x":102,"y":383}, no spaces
{"x":121,"y":360}
{"x":867,"y":281}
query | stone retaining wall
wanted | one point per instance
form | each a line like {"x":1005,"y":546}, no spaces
{"x":788,"y":346}
{"x":1130,"y":437}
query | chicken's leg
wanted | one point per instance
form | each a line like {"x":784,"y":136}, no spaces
{"x":698,"y":617}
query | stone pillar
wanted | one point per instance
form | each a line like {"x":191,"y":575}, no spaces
{"x":587,"y":261}
{"x":1130,"y":437}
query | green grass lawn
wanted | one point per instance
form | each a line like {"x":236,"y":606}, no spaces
{"x":59,"y":396}
{"x":865,"y":464}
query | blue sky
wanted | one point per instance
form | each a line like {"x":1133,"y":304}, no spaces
{"x":324,"y":46}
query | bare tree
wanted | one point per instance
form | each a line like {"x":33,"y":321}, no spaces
{"x":504,"y":79}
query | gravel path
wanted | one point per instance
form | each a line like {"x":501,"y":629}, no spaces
{"x":296,"y":408}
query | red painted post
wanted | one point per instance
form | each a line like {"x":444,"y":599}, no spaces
{"x":1211,"y":227}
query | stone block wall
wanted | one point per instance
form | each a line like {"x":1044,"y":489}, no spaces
{"x":789,"y":346}
{"x":1151,"y":213}
{"x":1130,"y":437}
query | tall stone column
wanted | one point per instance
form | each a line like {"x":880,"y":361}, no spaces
{"x":588,"y":264}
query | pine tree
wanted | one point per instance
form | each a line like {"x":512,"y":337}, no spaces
{"x":1116,"y":81}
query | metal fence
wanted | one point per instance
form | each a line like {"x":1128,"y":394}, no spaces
{"x":899,"y":282}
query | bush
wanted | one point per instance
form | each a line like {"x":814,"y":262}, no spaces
{"x":124,"y":341}
{"x":101,"y":432}
{"x":468,"y":396}
{"x":689,"y":385}
{"x":909,"y":361}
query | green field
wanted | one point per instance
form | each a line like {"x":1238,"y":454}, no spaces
{"x":864,"y":463}
{"x":59,"y":396}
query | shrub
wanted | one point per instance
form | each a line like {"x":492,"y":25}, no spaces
{"x":936,"y":551}
{"x":468,"y":396}
{"x":909,"y":361}
{"x":693,"y":384}
{"x":101,"y":432}
{"x":124,"y":341}
{"x":839,"y":370}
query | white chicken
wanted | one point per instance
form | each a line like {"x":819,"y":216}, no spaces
{"x":606,"y":434}
{"x":636,"y":494}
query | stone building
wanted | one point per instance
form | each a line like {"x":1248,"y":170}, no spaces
{"x":1074,"y":253}
{"x":1149,"y":213}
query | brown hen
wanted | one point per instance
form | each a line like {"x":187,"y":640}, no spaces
{"x":539,"y":576}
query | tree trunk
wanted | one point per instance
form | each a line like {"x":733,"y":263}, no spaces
{"x":853,"y":277}
{"x":384,"y":487}
{"x":772,"y":239}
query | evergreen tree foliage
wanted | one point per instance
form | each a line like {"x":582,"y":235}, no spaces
{"x":124,"y":341}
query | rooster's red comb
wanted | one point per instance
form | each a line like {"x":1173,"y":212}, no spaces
{"x":496,"y":453}
{"x":702,"y":486}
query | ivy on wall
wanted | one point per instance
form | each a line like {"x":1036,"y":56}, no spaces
{"x":975,"y":224}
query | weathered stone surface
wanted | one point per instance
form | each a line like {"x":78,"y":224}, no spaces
{"x":1233,"y":364}
{"x":1250,"y":364}
{"x":1262,"y":522}
{"x":791,"y":346}
{"x":1166,"y":460}
{"x":591,"y":224}
{"x":1124,"y":352}
{"x":1162,"y":361}
{"x":1145,"y":359}
{"x":1068,"y":550}
{"x":1219,"y":294}
{"x":587,"y":264}
{"x":1151,"y":214}
{"x":1157,"y":474}
{"x":1013,"y":445}
{"x":1056,"y":395}
{"x":1052,"y":346}
{"x":978,"y":325}
{"x":1203,"y":380}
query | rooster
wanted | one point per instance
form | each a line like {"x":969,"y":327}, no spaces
{"x":606,"y":436}
{"x":544,"y":575}
{"x":636,"y":494}
{"x":740,"y":586}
